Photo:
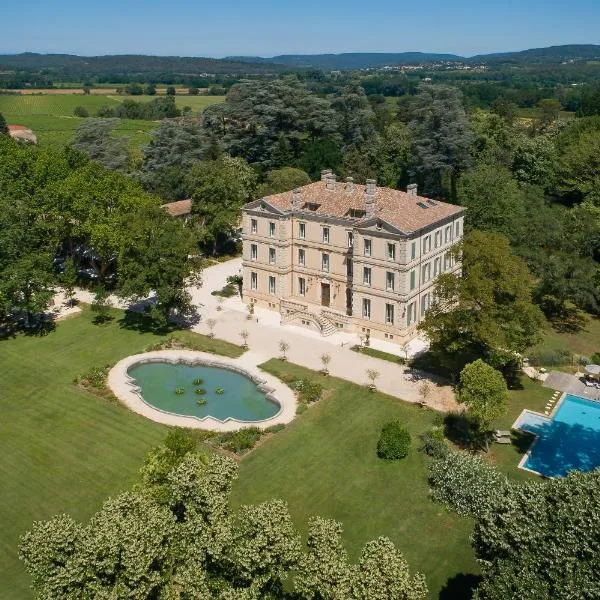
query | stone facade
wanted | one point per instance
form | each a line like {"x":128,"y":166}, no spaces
{"x":338,"y":256}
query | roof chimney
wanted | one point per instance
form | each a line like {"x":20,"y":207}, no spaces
{"x":411,"y":189}
{"x":296,"y":199}
{"x":371,"y":187}
{"x":325,"y":173}
{"x":349,"y":184}
{"x":330,"y":181}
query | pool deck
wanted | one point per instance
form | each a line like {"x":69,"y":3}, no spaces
{"x":125,"y":389}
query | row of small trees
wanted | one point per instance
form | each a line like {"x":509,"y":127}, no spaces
{"x":176,"y":536}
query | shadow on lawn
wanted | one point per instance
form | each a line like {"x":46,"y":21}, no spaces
{"x":460,"y":587}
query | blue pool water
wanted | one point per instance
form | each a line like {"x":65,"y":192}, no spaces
{"x":569,"y":441}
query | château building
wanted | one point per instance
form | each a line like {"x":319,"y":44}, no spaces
{"x":339,"y":256}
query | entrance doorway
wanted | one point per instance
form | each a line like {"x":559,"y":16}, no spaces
{"x":325,"y":294}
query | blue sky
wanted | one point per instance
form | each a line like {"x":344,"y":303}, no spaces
{"x":266,"y":28}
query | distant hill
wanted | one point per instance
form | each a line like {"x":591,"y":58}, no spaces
{"x":132,"y":64}
{"x":349,"y":60}
{"x":552,"y":54}
{"x":373,"y":60}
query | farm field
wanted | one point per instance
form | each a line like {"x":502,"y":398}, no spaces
{"x":52,"y":120}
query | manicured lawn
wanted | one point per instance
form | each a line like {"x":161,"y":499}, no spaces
{"x":61,"y":449}
{"x":324,"y":463}
{"x":507,"y":456}
{"x":394,"y":358}
{"x":584,"y":343}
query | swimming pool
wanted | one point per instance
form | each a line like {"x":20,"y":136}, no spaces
{"x":570,"y":440}
{"x":202,"y":391}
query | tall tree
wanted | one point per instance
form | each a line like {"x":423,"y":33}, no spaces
{"x":441,"y":137}
{"x":173,"y":150}
{"x":186,"y":542}
{"x":488,"y":311}
{"x":95,"y":138}
{"x":355,"y":116}
{"x":482,"y":389}
{"x":257,"y":116}
{"x":283,"y":180}
{"x":156,"y":255}
{"x":3,"y":125}
{"x":219,"y":188}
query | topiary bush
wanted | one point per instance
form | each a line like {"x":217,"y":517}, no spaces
{"x":394,"y":441}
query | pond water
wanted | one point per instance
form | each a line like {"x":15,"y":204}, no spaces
{"x":227,"y":394}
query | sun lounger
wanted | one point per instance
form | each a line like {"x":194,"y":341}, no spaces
{"x":501,"y":433}
{"x":503,"y":440}
{"x":589,"y":383}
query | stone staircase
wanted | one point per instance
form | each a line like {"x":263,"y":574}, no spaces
{"x":323,"y":324}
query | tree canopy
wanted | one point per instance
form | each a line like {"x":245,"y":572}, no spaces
{"x":176,"y":536}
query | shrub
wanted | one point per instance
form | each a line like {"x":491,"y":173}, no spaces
{"x":595,"y":358}
{"x":434,"y":443}
{"x":466,"y":483}
{"x":394,"y":441}
{"x":179,"y":391}
{"x":220,"y":391}
{"x":200,"y":391}
{"x":550,"y":358}
{"x":241,"y":440}
{"x":198,"y":381}
{"x":201,"y":401}
{"x":308,"y":391}
{"x":81,"y":111}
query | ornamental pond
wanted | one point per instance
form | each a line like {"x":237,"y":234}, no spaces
{"x":201,"y":391}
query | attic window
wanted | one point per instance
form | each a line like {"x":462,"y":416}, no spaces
{"x":311,"y":206}
{"x":432,"y":202}
{"x":422,"y":205}
{"x":356,"y":213}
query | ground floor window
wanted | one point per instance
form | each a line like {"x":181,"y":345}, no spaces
{"x":271,"y":284}
{"x":389,"y":314}
{"x":366,"y":308}
{"x":301,"y":286}
{"x":411,"y":313}
{"x":253,"y":281}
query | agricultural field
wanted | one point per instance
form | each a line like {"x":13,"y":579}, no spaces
{"x":51,"y":118}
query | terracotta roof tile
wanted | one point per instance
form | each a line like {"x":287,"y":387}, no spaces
{"x":404,"y":211}
{"x":180,"y":208}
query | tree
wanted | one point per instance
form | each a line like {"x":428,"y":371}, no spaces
{"x":283,"y":348}
{"x":579,"y":159}
{"x":150,"y":90}
{"x":283,"y":180}
{"x":171,"y":91}
{"x":259,"y":116}
{"x":355,"y":116}
{"x":176,"y":536}
{"x":101,"y":305}
{"x":325,"y":360}
{"x":424,"y":391}
{"x":540,"y":540}
{"x":157,"y":254}
{"x":81,"y":111}
{"x":441,"y":137}
{"x":219,"y":188}
{"x":3,"y":125}
{"x":488,"y":311}
{"x":244,"y":335}
{"x":94,"y":138}
{"x":173,"y":150}
{"x":68,"y":280}
{"x":495,"y":201}
{"x":211,"y":323}
{"x":193,"y":91}
{"x":482,"y":389}
{"x":372,"y":376}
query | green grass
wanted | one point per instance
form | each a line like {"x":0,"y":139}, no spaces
{"x":394,"y":358}
{"x":62,"y":449}
{"x":506,"y":457}
{"x":51,"y":116}
{"x":203,"y":343}
{"x":325,"y":463}
{"x":585,"y":342}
